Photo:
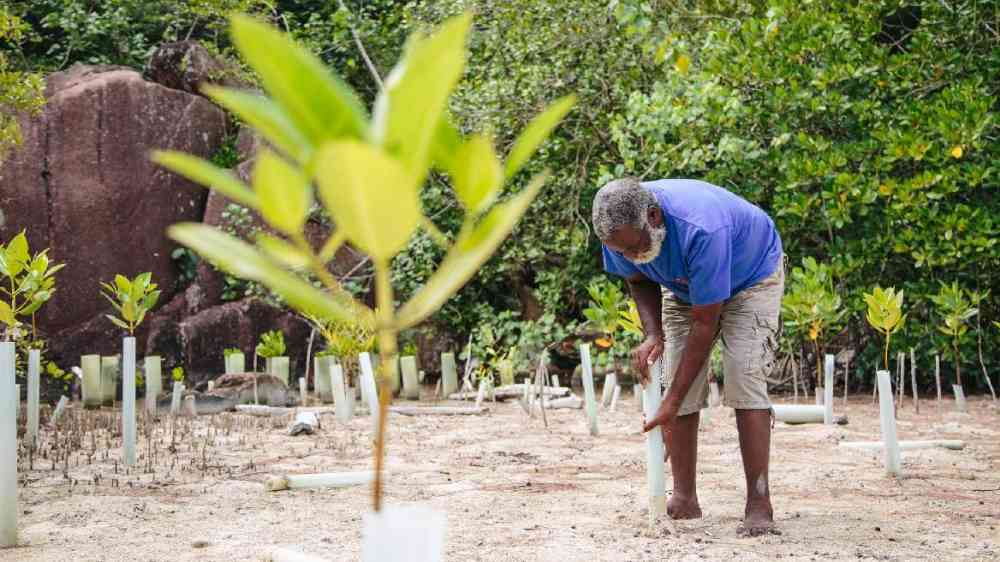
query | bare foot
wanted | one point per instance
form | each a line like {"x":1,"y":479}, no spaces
{"x":683,"y":508}
{"x":758,"y":520}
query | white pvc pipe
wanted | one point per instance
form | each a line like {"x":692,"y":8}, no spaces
{"x":278,"y":366}
{"x":327,"y":480}
{"x":588,"y":387}
{"x":959,"y":398}
{"x":481,"y":393}
{"x":713,"y":394}
{"x":608,"y":388}
{"x":555,"y":380}
{"x":175,"y":400}
{"x":339,"y":390}
{"x":828,"y":390}
{"x":154,"y":382}
{"x":236,"y":363}
{"x":90,"y":383}
{"x":614,"y":397}
{"x":449,"y":374}
{"x":888,"y":423}
{"x":60,"y":408}
{"x":655,"y":480}
{"x":351,"y":395}
{"x":8,"y":445}
{"x":303,"y":391}
{"x":17,"y":402}
{"x":368,"y":389}
{"x":416,"y":531}
{"x":34,"y":374}
{"x":798,"y":413}
{"x":953,"y":444}
{"x":109,"y":366}
{"x":323,"y":378}
{"x":128,"y":400}
{"x":411,"y":383}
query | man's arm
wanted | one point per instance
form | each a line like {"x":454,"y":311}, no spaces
{"x":704,"y":324}
{"x":648,"y":303}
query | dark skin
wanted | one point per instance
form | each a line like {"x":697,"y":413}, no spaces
{"x":680,"y":433}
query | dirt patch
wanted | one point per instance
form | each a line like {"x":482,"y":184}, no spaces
{"x":512,"y":490}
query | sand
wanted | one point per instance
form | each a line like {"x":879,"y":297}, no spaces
{"x":512,"y":489}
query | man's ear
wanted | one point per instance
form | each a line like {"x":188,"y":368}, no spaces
{"x":654,"y":217}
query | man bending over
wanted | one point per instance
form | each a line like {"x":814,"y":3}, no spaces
{"x":702,"y":265}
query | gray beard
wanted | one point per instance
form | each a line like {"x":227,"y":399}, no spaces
{"x":656,"y":238}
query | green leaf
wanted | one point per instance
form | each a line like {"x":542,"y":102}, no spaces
{"x":17,"y":255}
{"x":242,"y":260}
{"x":207,"y":174}
{"x":370,"y":196}
{"x":319,"y":103}
{"x":282,"y":251}
{"x":409,"y":108}
{"x":283,"y":192}
{"x":469,"y":253}
{"x":7,"y":315}
{"x":476,"y":174}
{"x":266,"y":117}
{"x":535,"y":134}
{"x":445,"y":144}
{"x":123,"y":285}
{"x":117,"y":322}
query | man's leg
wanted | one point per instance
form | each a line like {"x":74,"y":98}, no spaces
{"x":750,"y":327}
{"x":754,"y":427}
{"x":681,"y":441}
{"x":682,"y":447}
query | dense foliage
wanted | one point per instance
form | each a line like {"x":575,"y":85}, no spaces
{"x":867,"y":129}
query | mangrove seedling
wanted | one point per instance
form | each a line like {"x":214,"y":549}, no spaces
{"x":956,"y":309}
{"x":367,"y":173}
{"x":131,"y":299}
{"x":811,"y":306}
{"x":885,"y":315}
{"x":28,"y":282}
{"x":272,"y":344}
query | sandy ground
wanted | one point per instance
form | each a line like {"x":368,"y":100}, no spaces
{"x":512,"y":490}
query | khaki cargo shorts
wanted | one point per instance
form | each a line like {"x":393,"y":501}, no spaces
{"x":748,"y":332}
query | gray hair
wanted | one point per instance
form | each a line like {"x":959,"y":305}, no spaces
{"x":621,"y":202}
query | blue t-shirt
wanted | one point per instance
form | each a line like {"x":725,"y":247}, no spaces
{"x":717,"y":243}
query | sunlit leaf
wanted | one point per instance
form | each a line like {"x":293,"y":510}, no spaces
{"x":476,"y":174}
{"x":207,"y":174}
{"x":282,"y":251}
{"x":7,"y":315}
{"x":266,"y":117}
{"x":469,"y":253}
{"x":682,"y":64}
{"x":372,"y":199}
{"x":319,"y":103}
{"x":242,"y":260}
{"x":408,"y":110}
{"x":535,"y":134}
{"x":283,"y":192}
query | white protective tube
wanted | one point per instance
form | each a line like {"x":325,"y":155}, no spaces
{"x":416,"y":531}
{"x":8,"y":444}
{"x":60,"y":408}
{"x":90,"y":389}
{"x":236,"y":363}
{"x":798,"y":413}
{"x":411,"y":382}
{"x":655,"y":479}
{"x":888,"y":423}
{"x":175,"y":400}
{"x":714,"y":400}
{"x":610,"y":380}
{"x":154,"y":382}
{"x":959,"y":398}
{"x":614,"y":397}
{"x":449,"y":374}
{"x":323,"y":378}
{"x":327,"y":480}
{"x":339,"y":390}
{"x":109,"y":372}
{"x":34,"y":374}
{"x":128,"y":400}
{"x":303,"y":391}
{"x":953,"y":444}
{"x":828,"y":390}
{"x":588,"y":387}
{"x":278,"y":366}
{"x":369,"y":391}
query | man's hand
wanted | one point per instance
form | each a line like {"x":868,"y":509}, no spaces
{"x":645,"y":354}
{"x":665,"y":416}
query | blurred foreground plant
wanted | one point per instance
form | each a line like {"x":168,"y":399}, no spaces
{"x":368,"y":173}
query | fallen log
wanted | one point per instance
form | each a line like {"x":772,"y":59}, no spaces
{"x":438,"y":410}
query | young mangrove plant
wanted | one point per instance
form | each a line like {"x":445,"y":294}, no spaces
{"x":885,"y":315}
{"x":131,"y":299}
{"x":272,"y":344}
{"x":956,"y":310}
{"x":26,"y":283}
{"x":367,"y":173}
{"x":811,"y":307}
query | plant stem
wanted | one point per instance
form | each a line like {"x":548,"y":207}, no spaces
{"x":385,"y":319}
{"x":958,"y":363}
{"x":819,"y":363}
{"x":888,"y":336}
